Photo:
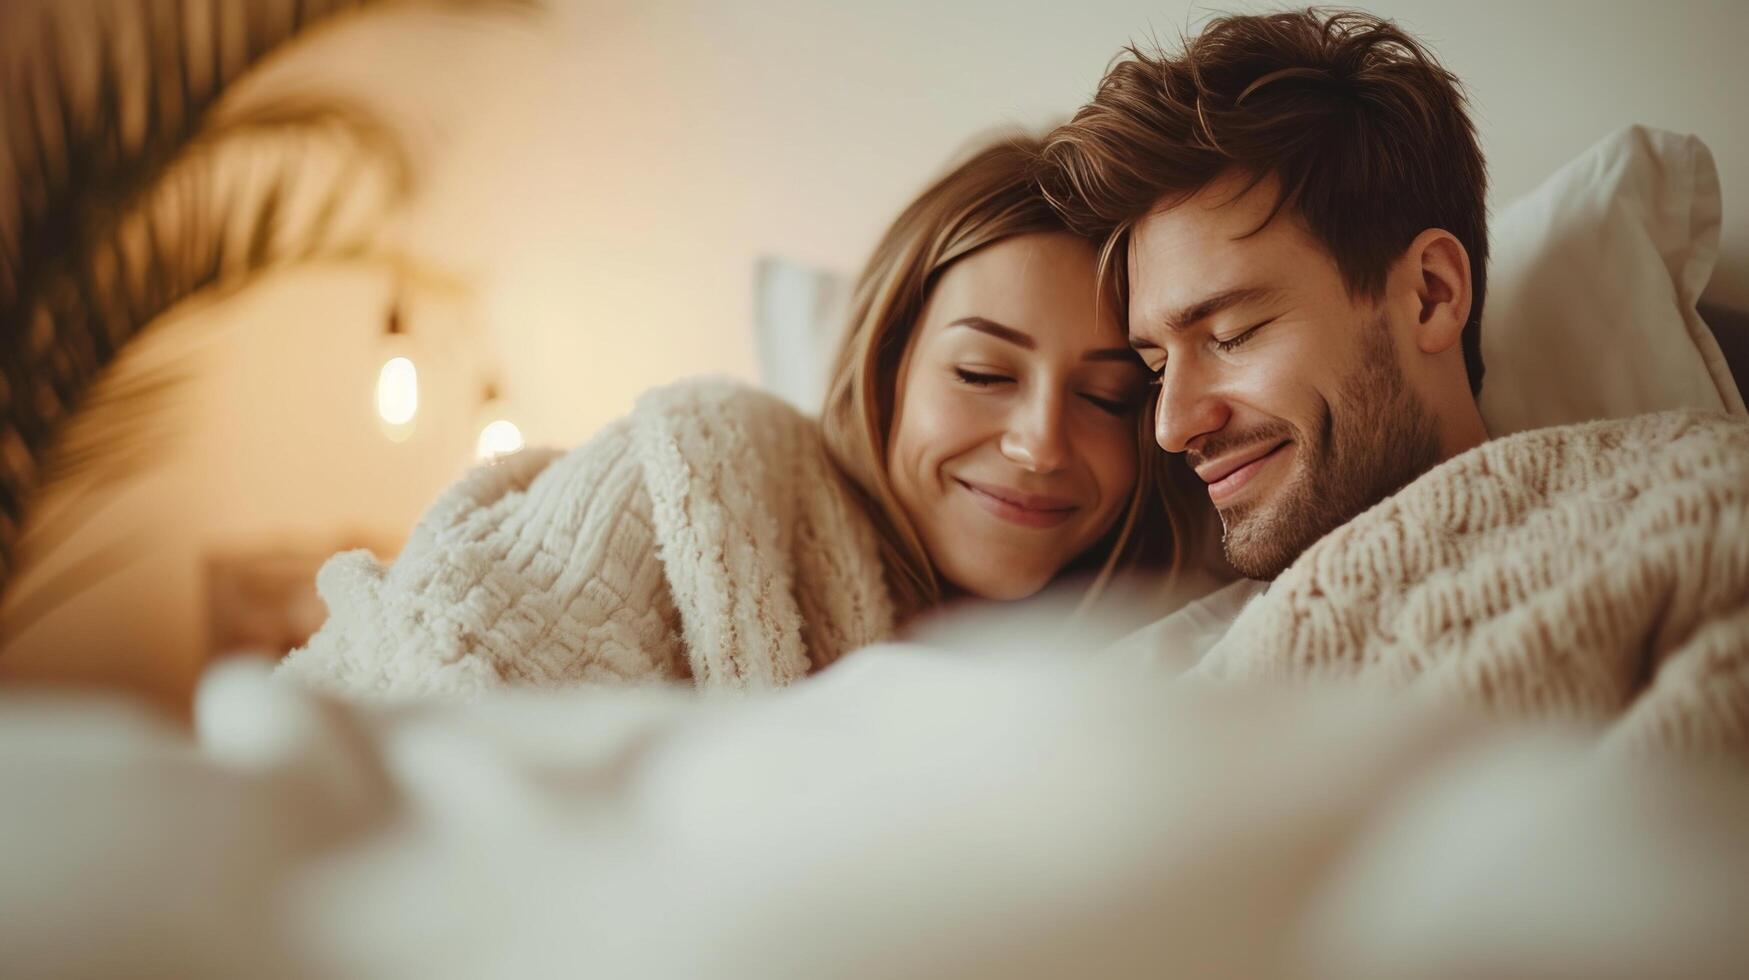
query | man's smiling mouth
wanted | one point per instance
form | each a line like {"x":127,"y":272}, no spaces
{"x":1229,"y":475}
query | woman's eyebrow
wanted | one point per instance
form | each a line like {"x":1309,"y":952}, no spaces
{"x":1024,"y":340}
{"x":997,"y":330}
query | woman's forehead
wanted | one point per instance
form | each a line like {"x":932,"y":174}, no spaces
{"x":1044,"y":284}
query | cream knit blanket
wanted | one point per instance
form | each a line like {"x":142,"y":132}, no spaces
{"x":704,"y":536}
{"x":1596,"y":571}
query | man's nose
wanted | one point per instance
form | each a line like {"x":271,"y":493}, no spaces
{"x":1186,"y":410}
{"x":1035,"y":438}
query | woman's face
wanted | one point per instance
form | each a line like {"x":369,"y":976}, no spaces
{"x":1013,"y":442}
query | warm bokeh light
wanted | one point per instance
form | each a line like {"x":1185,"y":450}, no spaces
{"x":398,"y":391}
{"x":498,"y":438}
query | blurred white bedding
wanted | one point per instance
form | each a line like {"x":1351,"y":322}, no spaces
{"x":907,"y":813}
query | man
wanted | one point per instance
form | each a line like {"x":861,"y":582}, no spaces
{"x":1305,"y":239}
{"x":1294,"y":209}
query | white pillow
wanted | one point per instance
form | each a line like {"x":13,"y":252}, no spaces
{"x":798,"y":318}
{"x":1590,"y":310}
{"x":1592,"y":288}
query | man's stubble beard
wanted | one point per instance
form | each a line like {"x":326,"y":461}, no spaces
{"x":1375,"y":440}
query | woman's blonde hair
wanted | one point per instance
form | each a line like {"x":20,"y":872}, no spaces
{"x":990,"y":197}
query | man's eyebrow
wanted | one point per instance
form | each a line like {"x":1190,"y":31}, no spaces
{"x":997,"y":330}
{"x":1183,"y":318}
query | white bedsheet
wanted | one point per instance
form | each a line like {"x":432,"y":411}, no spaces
{"x":908,"y":813}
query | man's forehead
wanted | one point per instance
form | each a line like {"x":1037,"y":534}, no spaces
{"x":1230,"y":210}
{"x":1215,"y":241}
{"x":1175,"y":269}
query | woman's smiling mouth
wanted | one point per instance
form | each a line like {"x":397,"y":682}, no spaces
{"x":1026,"y":510}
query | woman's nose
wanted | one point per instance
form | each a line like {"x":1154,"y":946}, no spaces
{"x":1035,"y":439}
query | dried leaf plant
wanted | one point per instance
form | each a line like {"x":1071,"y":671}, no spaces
{"x":133,"y":181}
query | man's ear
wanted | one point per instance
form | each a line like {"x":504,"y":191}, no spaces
{"x":1436,"y":271}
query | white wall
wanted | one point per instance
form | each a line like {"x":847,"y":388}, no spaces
{"x":622,"y":189}
{"x":610,"y":174}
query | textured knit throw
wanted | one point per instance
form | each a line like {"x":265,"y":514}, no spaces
{"x":1595,"y":572}
{"x":705,"y":536}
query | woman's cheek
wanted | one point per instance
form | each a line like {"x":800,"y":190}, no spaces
{"x":963,"y":413}
{"x":941,"y":420}
{"x":1116,"y":464}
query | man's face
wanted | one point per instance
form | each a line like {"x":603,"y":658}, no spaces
{"x":1287,"y":396}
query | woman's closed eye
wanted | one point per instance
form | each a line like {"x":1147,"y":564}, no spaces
{"x":1111,"y":405}
{"x":1119,"y":407}
{"x":980,"y":379}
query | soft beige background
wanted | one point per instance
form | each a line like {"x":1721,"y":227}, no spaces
{"x":609,"y":174}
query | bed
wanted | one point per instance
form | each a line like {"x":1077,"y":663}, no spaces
{"x":1009,"y":810}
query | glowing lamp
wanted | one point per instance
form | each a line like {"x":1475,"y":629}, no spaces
{"x":498,"y":436}
{"x":397,"y":388}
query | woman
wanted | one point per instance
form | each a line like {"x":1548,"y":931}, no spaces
{"x":982,"y":437}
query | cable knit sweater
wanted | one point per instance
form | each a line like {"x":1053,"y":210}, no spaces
{"x":1596,"y":571}
{"x":705,"y":536}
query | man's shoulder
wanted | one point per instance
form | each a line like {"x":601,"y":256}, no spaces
{"x":1663,"y":427}
{"x":1577,"y":455}
{"x":1489,"y":496}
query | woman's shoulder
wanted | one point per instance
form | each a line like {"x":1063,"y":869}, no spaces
{"x":726,"y":420}
{"x":756,"y":523}
{"x":729,"y":441}
{"x":720,"y":401}
{"x":695,"y":426}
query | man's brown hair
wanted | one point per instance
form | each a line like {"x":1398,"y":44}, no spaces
{"x":1366,"y":133}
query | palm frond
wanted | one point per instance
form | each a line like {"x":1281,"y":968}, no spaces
{"x":136,"y":187}
{"x":262,"y":196}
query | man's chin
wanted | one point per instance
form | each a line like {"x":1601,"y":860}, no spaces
{"x":1256,"y":544}
{"x":1263,"y":539}
{"x":1242,"y":553}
